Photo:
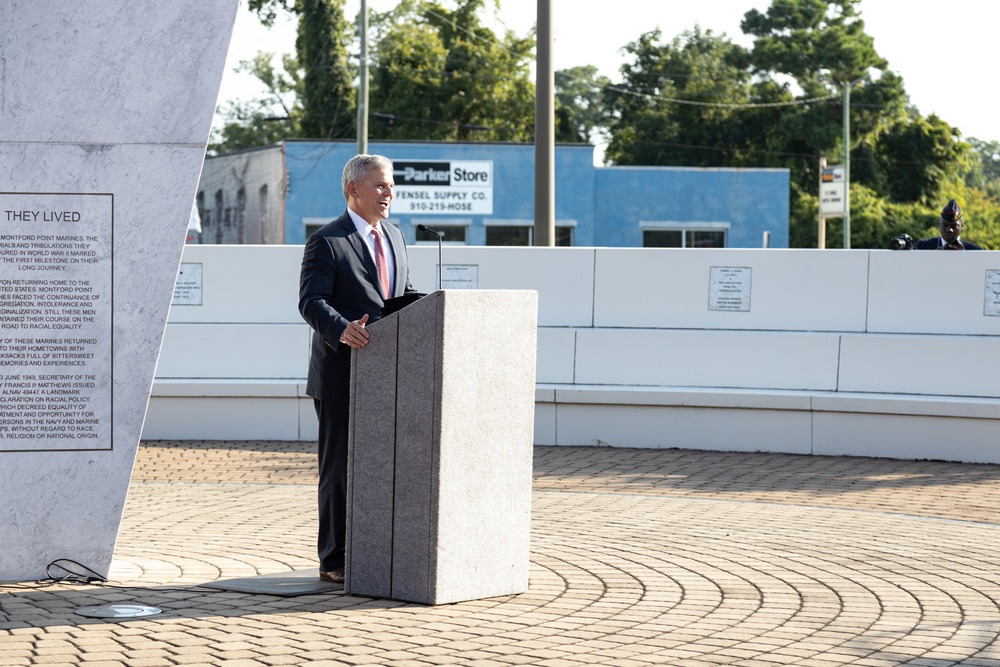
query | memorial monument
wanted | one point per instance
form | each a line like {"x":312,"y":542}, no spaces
{"x":105,"y":111}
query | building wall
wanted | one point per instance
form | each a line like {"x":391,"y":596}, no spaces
{"x":597,"y":206}
{"x":240,"y":198}
{"x":314,"y":174}
{"x":745,"y":202}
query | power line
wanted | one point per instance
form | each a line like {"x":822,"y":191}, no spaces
{"x":748,"y":105}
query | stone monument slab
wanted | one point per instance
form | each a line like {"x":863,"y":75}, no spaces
{"x":105,"y":111}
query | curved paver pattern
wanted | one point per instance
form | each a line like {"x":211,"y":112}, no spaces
{"x":639,"y":557}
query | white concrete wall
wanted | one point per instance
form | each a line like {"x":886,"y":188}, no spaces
{"x":861,"y":352}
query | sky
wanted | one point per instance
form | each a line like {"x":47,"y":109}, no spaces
{"x":945,"y":50}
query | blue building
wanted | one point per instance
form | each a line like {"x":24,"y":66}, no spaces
{"x":483,"y":194}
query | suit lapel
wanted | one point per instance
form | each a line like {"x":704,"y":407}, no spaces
{"x":364,"y":256}
{"x":398,"y":255}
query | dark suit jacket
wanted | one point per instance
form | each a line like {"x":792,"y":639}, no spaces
{"x":339,"y":284}
{"x":933,"y":243}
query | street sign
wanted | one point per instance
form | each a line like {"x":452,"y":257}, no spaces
{"x":833,"y":192}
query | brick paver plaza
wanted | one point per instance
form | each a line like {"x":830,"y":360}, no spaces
{"x":639,"y":557}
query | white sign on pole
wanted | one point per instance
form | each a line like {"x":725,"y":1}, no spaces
{"x":833,"y":192}
{"x":438,"y":187}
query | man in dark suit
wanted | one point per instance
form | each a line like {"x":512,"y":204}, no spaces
{"x":950,"y":223}
{"x":349,"y":268}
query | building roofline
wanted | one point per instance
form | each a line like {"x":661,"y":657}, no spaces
{"x":623,"y":167}
{"x":424,"y":142}
{"x":244,"y":150}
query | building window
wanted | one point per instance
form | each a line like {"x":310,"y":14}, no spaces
{"x":449,"y":234}
{"x":705,"y":238}
{"x":523,"y":235}
{"x":684,"y":237}
{"x":200,"y":203}
{"x":264,"y":223}
{"x":313,"y":225}
{"x":662,"y":238}
{"x":241,"y":206}
{"x":218,"y":216}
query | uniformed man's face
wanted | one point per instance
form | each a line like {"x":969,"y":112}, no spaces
{"x":950,"y":230}
{"x":371,"y":196}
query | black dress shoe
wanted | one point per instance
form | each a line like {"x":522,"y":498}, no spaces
{"x":334,"y":576}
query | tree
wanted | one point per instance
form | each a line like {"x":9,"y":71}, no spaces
{"x":822,"y":45}
{"x":984,"y":171}
{"x":680,"y":102}
{"x":327,"y":91}
{"x":438,"y":73}
{"x":914,"y":158}
{"x":703,"y":101}
{"x":265,"y":120}
{"x":815,"y":41}
{"x":579,"y":103}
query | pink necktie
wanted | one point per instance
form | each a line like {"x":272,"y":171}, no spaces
{"x":380,"y":263}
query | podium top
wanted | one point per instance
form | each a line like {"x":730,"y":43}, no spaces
{"x":396,"y":304}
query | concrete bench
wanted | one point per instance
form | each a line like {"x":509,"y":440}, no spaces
{"x":229,"y":409}
{"x":788,"y":421}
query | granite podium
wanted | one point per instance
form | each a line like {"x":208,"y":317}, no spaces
{"x":105,"y":112}
{"x":439,"y":472}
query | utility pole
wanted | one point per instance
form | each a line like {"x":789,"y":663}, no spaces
{"x":847,"y":162}
{"x":821,"y":229}
{"x":545,"y":132}
{"x":363,"y":80}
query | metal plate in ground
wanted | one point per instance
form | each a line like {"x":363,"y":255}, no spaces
{"x":117,"y":611}
{"x":286,"y":584}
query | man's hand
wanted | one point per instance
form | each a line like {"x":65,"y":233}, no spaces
{"x":954,"y":245}
{"x":355,"y":335}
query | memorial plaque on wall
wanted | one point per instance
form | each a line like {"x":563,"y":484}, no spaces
{"x":729,"y":288}
{"x":55,"y":321}
{"x":187,"y":288}
{"x":460,"y":276}
{"x":991,"y":298}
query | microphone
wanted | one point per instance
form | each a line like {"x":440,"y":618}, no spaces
{"x":425,"y":228}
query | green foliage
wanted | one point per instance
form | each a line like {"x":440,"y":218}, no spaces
{"x":658,"y":115}
{"x":248,"y":125}
{"x":876,"y":220}
{"x":822,"y":45}
{"x":981,"y":212}
{"x":267,"y":10}
{"x":901,"y":163}
{"x":266,"y":120}
{"x":812,"y":40}
{"x":984,"y":168}
{"x":321,"y":72}
{"x":328,"y":108}
{"x":438,"y":73}
{"x":913,"y":158}
{"x":580,"y":111}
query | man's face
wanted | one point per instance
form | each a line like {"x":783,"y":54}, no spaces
{"x":950,"y":230}
{"x":371,"y":196}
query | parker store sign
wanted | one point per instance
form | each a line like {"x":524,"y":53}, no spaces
{"x":460,"y":187}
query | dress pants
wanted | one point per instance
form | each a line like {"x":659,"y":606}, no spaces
{"x":332,"y":493}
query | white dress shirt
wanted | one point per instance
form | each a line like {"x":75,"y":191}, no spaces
{"x":365,"y":229}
